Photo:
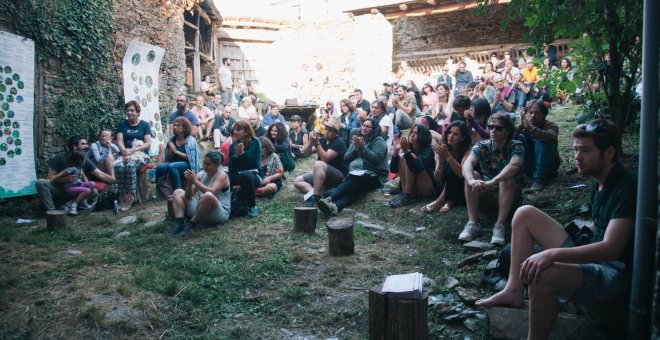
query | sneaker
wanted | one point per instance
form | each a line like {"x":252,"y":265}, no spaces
{"x":73,"y":210}
{"x":327,"y":207}
{"x":253,"y":211}
{"x":84,"y":205}
{"x":470,"y":231}
{"x":187,"y":228}
{"x":537,"y":186}
{"x":403,"y":200}
{"x":311,"y":201}
{"x":177,"y":227}
{"x":498,"y":235}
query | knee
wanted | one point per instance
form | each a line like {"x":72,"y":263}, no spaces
{"x":42,"y":183}
{"x":319,"y":166}
{"x":523,"y":213}
{"x":178,"y":193}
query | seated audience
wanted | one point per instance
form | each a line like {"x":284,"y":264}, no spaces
{"x":505,"y":97}
{"x":215,"y":105}
{"x":321,"y":121}
{"x":383,"y":121}
{"x":443,"y":106}
{"x":277,"y":135}
{"x":541,"y":143}
{"x":206,"y":198}
{"x":348,"y":119}
{"x":463,"y":78}
{"x":130,"y":131}
{"x":405,"y":108}
{"x":329,"y":170}
{"x":367,"y":159}
{"x":271,"y":169}
{"x":181,"y":154}
{"x":414,"y":161}
{"x":206,"y":87}
{"x":444,"y":78}
{"x":181,"y":111}
{"x":102,"y":153}
{"x":450,"y":155}
{"x":429,"y":98}
{"x":272,"y":116}
{"x":361,"y":103}
{"x":298,"y":137}
{"x":222,"y":127}
{"x":80,"y":188}
{"x":52,"y":188}
{"x":591,"y":269}
{"x":246,"y":108}
{"x":499,"y":162}
{"x":205,"y":117}
{"x":489,"y":74}
{"x":510,"y":71}
{"x":256,"y":126}
{"x":245,"y":164}
{"x":477,"y":118}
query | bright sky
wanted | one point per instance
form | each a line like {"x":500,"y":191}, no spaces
{"x":293,"y":9}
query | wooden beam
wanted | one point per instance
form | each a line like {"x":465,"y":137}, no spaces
{"x":191,"y":25}
{"x":265,"y":25}
{"x":197,"y":77}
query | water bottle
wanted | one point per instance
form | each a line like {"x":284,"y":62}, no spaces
{"x":116,"y":207}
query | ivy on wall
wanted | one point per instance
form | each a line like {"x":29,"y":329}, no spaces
{"x":74,"y":38}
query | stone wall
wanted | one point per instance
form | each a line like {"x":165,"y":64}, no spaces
{"x":454,"y":29}
{"x":149,"y":23}
{"x":326,"y":60}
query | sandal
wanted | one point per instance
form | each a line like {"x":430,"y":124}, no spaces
{"x":431,"y":207}
{"x":446,"y":207}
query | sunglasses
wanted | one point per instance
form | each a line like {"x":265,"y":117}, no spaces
{"x":592,"y":128}
{"x":497,"y":128}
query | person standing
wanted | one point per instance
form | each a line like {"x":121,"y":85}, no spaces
{"x":225,"y":81}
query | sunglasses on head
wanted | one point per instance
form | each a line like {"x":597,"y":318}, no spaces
{"x":496,"y":127}
{"x":592,"y":128}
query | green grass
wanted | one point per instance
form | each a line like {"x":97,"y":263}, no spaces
{"x":243,"y":280}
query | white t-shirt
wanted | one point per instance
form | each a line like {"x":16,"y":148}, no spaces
{"x":225,"y":76}
{"x":387,"y":121}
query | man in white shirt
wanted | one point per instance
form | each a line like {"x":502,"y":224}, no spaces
{"x":225,"y":81}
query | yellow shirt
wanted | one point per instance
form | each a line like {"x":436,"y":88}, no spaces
{"x":530,"y":75}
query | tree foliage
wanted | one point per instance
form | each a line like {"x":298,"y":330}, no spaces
{"x":612,"y":30}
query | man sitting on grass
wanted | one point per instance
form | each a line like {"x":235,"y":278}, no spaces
{"x":500,"y":159}
{"x":568,"y":269}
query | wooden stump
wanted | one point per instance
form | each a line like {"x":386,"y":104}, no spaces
{"x":304,"y":220}
{"x":170,"y":209}
{"x":340,"y":236}
{"x":397,"y":318}
{"x":55,"y":219}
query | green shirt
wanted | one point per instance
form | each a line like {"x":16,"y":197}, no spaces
{"x":617,"y":199}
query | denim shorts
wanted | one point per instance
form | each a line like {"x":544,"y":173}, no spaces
{"x":603,"y":281}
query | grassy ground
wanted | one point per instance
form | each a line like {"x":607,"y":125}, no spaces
{"x":250,"y":278}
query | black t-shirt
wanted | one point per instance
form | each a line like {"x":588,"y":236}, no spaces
{"x":133,"y":132}
{"x":61,"y":162}
{"x":175,"y":157}
{"x":364,"y":105}
{"x":338,"y":146}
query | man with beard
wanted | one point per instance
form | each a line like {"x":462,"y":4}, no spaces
{"x":590,"y":266}
{"x":254,"y":122}
{"x":182,"y":111}
{"x":541,"y":151}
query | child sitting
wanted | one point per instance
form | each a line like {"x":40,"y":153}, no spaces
{"x":80,"y":188}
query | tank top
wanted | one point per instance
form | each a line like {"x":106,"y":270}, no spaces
{"x":223,"y":196}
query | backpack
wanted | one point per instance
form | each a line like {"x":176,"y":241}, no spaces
{"x":106,"y":200}
{"x":164,"y":186}
{"x":238,"y":207}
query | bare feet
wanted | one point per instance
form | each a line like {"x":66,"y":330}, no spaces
{"x":431,"y":207}
{"x":446,"y":207}
{"x":510,"y":297}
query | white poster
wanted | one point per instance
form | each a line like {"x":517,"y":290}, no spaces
{"x":17,"y":165}
{"x":141,"y":66}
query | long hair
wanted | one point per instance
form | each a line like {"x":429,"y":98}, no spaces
{"x":244,"y":125}
{"x":481,"y":111}
{"x":267,"y":145}
{"x":349,"y":104}
{"x":424,"y":137}
{"x":281,"y":133}
{"x":186,"y":125}
{"x":505,"y":119}
{"x":465,"y":144}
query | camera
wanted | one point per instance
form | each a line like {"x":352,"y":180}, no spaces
{"x":580,"y":236}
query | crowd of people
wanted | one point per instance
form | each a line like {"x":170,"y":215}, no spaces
{"x":459,"y":140}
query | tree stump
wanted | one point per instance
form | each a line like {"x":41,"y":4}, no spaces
{"x":55,"y":219}
{"x":170,"y":209}
{"x":397,"y":318}
{"x":304,"y":220}
{"x":340,"y":236}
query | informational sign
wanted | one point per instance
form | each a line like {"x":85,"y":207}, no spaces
{"x":141,"y":66}
{"x":17,"y":165}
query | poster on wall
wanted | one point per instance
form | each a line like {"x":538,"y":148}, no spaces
{"x":141,"y":66}
{"x":17,"y":165}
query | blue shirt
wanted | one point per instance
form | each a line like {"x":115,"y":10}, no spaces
{"x":269,"y":119}
{"x":191,"y":117}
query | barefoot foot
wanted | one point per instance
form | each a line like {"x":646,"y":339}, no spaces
{"x":507,"y":297}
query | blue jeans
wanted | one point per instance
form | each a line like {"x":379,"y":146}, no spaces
{"x":541,"y":159}
{"x":175,"y":170}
